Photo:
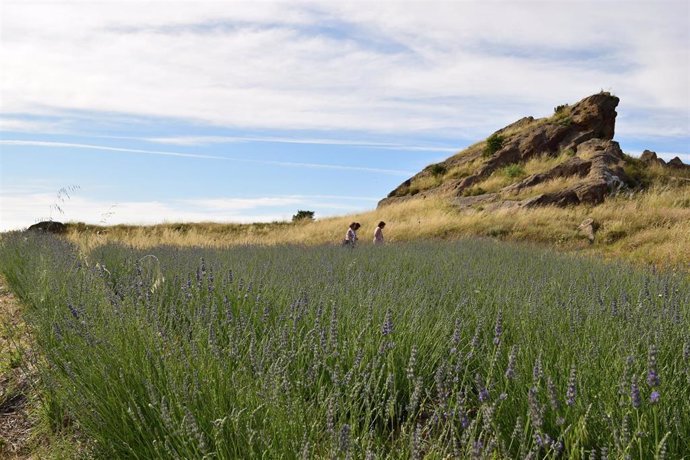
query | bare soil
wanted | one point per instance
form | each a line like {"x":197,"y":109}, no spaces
{"x":16,"y":423}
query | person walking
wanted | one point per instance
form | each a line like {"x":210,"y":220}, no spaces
{"x":351,"y":235}
{"x":378,"y":233}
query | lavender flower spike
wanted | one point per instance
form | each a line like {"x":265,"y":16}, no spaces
{"x":498,"y":329}
{"x":635,"y":394}
{"x":654,"y":397}
{"x":387,"y":327}
{"x":652,"y":376}
{"x":572,"y":387}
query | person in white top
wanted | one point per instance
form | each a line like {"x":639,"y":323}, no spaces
{"x":351,"y":235}
{"x":378,"y":233}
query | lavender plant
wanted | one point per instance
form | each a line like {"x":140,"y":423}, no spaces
{"x":471,"y":349}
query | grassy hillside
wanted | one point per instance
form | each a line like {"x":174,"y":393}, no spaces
{"x":650,"y":226}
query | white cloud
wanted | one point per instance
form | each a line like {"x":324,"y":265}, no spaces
{"x":376,"y":67}
{"x":19,"y":209}
{"x":17,"y":125}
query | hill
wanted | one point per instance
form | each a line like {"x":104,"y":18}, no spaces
{"x":567,"y":159}
{"x":560,"y":181}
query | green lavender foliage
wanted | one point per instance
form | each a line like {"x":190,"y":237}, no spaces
{"x":472,"y":349}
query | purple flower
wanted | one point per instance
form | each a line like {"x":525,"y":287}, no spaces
{"x":387,"y":327}
{"x":483,"y":394}
{"x":73,"y":310}
{"x":652,"y":376}
{"x":412,"y":364}
{"x":572,"y":388}
{"x":654,"y":397}
{"x":498,"y":329}
{"x":635,"y":394}
{"x":537,"y":372}
{"x":535,"y":410}
{"x":456,"y":336}
{"x":477,"y":448}
{"x":553,"y":396}
{"x":345,"y":439}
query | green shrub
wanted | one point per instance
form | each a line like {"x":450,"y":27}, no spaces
{"x":437,"y":169}
{"x":637,"y":172}
{"x":493,"y":144}
{"x":514,"y":170}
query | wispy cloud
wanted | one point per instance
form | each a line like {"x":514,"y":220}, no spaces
{"x":206,"y":140}
{"x":104,"y":148}
{"x":19,"y":125}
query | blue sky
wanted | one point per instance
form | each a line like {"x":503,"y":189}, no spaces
{"x":248,"y":111}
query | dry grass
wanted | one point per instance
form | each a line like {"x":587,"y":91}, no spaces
{"x":464,"y":169}
{"x":550,"y":186}
{"x":649,"y":227}
{"x":514,"y":173}
{"x":421,"y":183}
{"x":543,"y":163}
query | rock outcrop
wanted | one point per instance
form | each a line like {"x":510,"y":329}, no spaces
{"x":650,"y":157}
{"x":49,"y":226}
{"x":582,"y":134}
{"x":677,"y":163}
{"x":601,"y":174}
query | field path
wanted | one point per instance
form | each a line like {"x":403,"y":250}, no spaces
{"x":15,"y":388}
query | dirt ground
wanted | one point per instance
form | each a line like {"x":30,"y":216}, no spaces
{"x":16,"y":422}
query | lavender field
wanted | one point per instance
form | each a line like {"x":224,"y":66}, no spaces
{"x":471,"y":349}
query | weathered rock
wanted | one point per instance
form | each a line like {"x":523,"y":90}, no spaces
{"x":573,"y":167}
{"x":605,"y":176}
{"x":49,"y":226}
{"x":648,"y":156}
{"x":562,"y":198}
{"x":592,"y":118}
{"x":677,"y":163}
{"x":589,"y":227}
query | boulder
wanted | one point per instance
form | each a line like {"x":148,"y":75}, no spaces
{"x":648,"y":156}
{"x":589,"y":227}
{"x":677,"y":163}
{"x":49,"y":226}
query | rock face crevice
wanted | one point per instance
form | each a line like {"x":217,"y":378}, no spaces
{"x":583,"y":131}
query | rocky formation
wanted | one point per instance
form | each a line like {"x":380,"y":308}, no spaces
{"x":602,"y":173}
{"x":677,"y":163}
{"x":582,"y":134}
{"x":650,"y":157}
{"x":49,"y":226}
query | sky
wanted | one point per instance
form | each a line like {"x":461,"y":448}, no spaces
{"x":146,"y":112}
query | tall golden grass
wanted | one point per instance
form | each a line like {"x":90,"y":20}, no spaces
{"x":649,"y":227}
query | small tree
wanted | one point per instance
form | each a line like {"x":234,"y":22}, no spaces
{"x":302,"y":216}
